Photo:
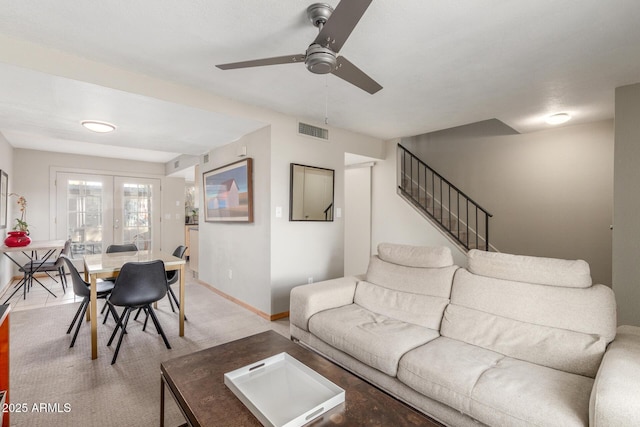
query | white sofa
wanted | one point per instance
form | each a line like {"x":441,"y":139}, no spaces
{"x":507,"y":341}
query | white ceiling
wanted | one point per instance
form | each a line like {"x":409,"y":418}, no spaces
{"x":441,"y":63}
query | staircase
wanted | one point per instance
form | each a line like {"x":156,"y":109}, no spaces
{"x":455,"y":213}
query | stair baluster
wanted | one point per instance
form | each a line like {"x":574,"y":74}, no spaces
{"x":434,"y":204}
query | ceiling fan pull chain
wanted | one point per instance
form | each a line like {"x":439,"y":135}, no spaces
{"x":326,"y":99}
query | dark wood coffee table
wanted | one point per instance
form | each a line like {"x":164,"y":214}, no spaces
{"x":196,"y":382}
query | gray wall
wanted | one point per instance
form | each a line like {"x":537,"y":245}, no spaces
{"x":626,"y":205}
{"x":6,"y":165}
{"x":272,"y":255}
{"x":551,"y":192}
{"x":393,"y":220}
{"x":240,"y":248}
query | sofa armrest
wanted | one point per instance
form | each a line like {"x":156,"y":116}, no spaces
{"x":307,"y":300}
{"x":614,"y":398}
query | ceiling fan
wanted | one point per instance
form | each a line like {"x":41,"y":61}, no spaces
{"x":321,"y":56}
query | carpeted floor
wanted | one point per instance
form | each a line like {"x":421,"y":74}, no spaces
{"x":62,"y":386}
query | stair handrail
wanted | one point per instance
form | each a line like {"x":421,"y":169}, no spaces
{"x":326,"y":211}
{"x":446,"y":181}
{"x":443,"y":182}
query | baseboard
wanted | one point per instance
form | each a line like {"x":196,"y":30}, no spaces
{"x":20,"y":277}
{"x":269,"y":317}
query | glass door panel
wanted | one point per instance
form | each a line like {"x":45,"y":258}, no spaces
{"x":137,"y":214}
{"x":86,"y":218}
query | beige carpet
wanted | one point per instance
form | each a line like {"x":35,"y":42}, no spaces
{"x":44,"y":370}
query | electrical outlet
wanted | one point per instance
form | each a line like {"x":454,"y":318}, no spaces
{"x":310,"y":280}
{"x":230,"y":274}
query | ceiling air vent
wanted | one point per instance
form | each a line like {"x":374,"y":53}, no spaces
{"x":314,"y":131}
{"x":206,"y":158}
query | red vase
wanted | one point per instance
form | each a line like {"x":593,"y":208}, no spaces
{"x":17,"y":238}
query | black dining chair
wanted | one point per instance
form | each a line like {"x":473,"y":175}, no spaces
{"x":172,"y":277}
{"x":126,"y":247}
{"x":47,"y":266}
{"x":83,"y":289}
{"x":138,"y":286}
{"x":51,"y":266}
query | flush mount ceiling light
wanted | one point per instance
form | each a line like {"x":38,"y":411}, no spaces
{"x":96,"y":126}
{"x":559,"y":118}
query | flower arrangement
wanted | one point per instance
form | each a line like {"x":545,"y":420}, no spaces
{"x":21,"y":223}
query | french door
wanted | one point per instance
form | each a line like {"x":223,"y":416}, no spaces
{"x":95,"y":211}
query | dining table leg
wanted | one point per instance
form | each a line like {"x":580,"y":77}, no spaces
{"x":182,"y":301}
{"x":93,"y":308}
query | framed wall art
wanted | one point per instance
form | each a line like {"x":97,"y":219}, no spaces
{"x":4,"y":195}
{"x":228,"y":193}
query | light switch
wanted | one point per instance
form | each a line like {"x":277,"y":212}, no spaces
{"x":278,"y":211}
{"x":338,"y":212}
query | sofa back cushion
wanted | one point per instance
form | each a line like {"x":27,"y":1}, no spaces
{"x":415,"y":256}
{"x":529,"y":269}
{"x":561,"y":327}
{"x":408,"y":283}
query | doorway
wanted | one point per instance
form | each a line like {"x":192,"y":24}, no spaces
{"x":95,"y":210}
{"x":357,"y":218}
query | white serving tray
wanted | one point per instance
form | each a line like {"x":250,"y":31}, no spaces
{"x":283,"y":392}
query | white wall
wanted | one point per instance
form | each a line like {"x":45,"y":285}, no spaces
{"x":357,"y":220}
{"x":272,"y":255}
{"x":393,"y":219}
{"x":551,"y":192}
{"x":300,"y":250}
{"x":32,"y":179}
{"x":242,"y":248}
{"x":626,"y":207}
{"x":6,"y":165}
{"x":172,"y":210}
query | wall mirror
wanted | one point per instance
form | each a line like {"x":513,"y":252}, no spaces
{"x":311,"y":197}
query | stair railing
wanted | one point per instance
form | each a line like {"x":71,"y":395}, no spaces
{"x":456,"y":213}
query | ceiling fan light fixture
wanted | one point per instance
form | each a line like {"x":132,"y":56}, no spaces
{"x":320,"y":60}
{"x":98,"y":126}
{"x":556,"y":119}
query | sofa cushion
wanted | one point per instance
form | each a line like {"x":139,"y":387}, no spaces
{"x":495,"y":389}
{"x":417,"y":280}
{"x":373,"y":339}
{"x":570,"y":327}
{"x":591,"y":310}
{"x":529,"y":269}
{"x":518,"y":393}
{"x":557,"y":348}
{"x":410,"y":294}
{"x":416,"y":308}
{"x":415,"y":256}
{"x":446,"y":370}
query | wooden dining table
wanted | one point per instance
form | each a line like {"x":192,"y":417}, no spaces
{"x":108,"y":265}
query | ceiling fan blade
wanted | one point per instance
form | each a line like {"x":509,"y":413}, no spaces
{"x":341,"y":23}
{"x":289,"y":59}
{"x":352,"y":74}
